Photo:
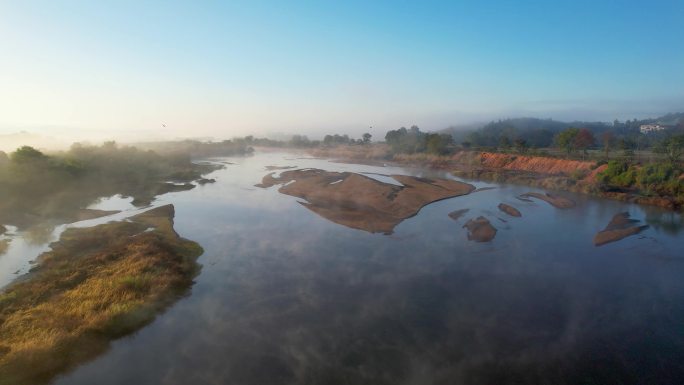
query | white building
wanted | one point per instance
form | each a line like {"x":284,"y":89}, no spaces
{"x":646,"y":128}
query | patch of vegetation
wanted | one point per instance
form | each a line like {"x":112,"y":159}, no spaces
{"x":618,"y":173}
{"x":4,"y":245}
{"x":37,"y":186}
{"x":97,"y":284}
{"x":412,"y":140}
{"x":543,"y":133}
{"x":661,"y":179}
{"x":199,"y":149}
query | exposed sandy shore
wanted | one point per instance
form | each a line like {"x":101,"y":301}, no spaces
{"x":275,"y":168}
{"x":621,"y":226}
{"x":360,"y":202}
{"x":457,"y":214}
{"x":554,"y":200}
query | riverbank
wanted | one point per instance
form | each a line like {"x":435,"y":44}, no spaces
{"x":536,"y":171}
{"x":40,"y":188}
{"x":95,"y":285}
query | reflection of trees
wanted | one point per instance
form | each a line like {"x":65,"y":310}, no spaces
{"x":39,"y":234}
{"x":4,"y":244}
{"x":669,"y":222}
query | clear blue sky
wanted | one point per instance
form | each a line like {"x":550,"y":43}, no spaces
{"x":231,"y":68}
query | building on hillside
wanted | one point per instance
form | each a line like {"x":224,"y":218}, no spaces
{"x":647,"y":128}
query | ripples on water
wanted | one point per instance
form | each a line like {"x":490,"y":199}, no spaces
{"x":287,"y":297}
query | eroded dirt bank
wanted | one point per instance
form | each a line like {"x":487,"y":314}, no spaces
{"x":360,"y":202}
{"x":537,"y":171}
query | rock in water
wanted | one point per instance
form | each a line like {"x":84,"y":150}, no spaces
{"x":480,"y":230}
{"x":510,"y":210}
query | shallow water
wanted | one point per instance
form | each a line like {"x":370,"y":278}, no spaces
{"x":287,"y":297}
{"x":25,"y":246}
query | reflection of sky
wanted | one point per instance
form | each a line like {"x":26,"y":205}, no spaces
{"x":116,"y":202}
{"x":286,"y":296}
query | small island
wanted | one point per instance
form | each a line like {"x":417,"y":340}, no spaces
{"x":360,"y":202}
{"x":620,"y":227}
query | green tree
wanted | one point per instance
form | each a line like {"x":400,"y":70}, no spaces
{"x":584,"y":139}
{"x":367,"y":138}
{"x":608,"y":140}
{"x":27,"y":154}
{"x":438,"y":143}
{"x":566,"y":139}
{"x":521,"y":145}
{"x":627,"y":146}
{"x":672,"y":148}
{"x":407,"y":141}
{"x":504,"y":142}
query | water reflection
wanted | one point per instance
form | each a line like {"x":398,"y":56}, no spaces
{"x":288,"y":297}
{"x":666,"y":221}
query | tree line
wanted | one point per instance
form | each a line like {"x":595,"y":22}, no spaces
{"x":575,"y":137}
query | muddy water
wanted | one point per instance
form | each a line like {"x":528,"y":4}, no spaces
{"x":288,"y":297}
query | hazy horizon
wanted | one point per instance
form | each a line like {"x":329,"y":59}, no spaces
{"x":79,"y":70}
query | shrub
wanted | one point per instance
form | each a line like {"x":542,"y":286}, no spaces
{"x":618,"y":173}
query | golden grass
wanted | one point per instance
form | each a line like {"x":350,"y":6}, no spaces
{"x":97,"y":284}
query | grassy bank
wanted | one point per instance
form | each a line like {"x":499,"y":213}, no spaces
{"x":97,"y":284}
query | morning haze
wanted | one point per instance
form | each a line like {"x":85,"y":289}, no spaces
{"x":265,"y":192}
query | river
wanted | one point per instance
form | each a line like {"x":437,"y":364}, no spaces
{"x":287,"y":297}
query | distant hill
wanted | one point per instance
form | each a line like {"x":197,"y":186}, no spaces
{"x":540,"y":132}
{"x":10,"y":142}
{"x":671,"y":119}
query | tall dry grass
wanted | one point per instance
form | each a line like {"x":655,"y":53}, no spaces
{"x":97,"y":284}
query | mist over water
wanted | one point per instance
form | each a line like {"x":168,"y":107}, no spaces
{"x":288,"y":297}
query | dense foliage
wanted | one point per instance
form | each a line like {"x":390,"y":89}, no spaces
{"x":415,"y":141}
{"x":662,"y":178}
{"x":35,"y":185}
{"x":543,"y":133}
{"x":198,"y":149}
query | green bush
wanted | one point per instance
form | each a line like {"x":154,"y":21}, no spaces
{"x":654,"y":178}
{"x":618,"y":173}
